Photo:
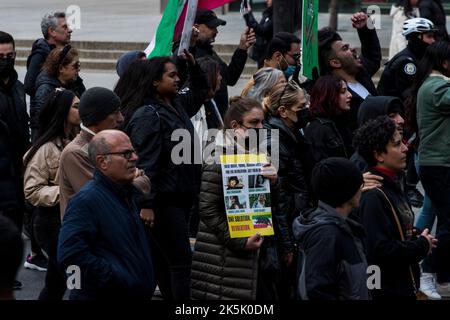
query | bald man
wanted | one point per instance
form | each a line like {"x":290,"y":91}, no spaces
{"x":102,"y":232}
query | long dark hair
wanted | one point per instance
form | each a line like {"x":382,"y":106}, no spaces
{"x":52,"y":120}
{"x":434,"y":58}
{"x":136,"y":87}
{"x":325,"y":96}
{"x":210,"y":67}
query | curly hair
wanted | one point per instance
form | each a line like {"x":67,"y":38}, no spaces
{"x":373,"y":137}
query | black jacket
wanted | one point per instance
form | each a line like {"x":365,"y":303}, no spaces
{"x":398,"y":74}
{"x":294,"y":194}
{"x":434,"y":11}
{"x":150,"y":130}
{"x":45,"y":85}
{"x":264,"y":33}
{"x":39,"y":52}
{"x":371,"y":59}
{"x":398,"y":260}
{"x":14,"y":140}
{"x":329,"y":138}
{"x":333,"y":264}
{"x":230,"y":73}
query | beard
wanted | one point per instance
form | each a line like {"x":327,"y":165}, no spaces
{"x":350,"y":66}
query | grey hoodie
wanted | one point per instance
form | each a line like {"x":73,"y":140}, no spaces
{"x":332,"y":260}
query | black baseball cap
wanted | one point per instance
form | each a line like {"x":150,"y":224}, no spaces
{"x":209,"y":18}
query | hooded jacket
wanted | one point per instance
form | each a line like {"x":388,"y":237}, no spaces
{"x":39,"y":52}
{"x":332,"y":260}
{"x":398,"y":260}
{"x":370,"y":109}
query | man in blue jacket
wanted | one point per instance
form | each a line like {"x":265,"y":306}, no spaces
{"x":102,"y":233}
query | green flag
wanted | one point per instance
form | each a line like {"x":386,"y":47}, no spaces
{"x":310,"y":44}
{"x":161,"y":44}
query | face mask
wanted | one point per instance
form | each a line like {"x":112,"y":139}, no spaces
{"x":303,"y":118}
{"x":6,"y":66}
{"x":289,"y":72}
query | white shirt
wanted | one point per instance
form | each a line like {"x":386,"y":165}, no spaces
{"x":359,"y":89}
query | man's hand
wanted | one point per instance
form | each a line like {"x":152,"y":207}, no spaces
{"x":248,"y":38}
{"x":254,"y":242}
{"x":359,"y":20}
{"x":194,"y":36}
{"x":432,"y":241}
{"x":148,"y":217}
{"x":371,"y":181}
{"x":186,"y":55}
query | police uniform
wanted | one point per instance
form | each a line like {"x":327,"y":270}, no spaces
{"x":398,"y":75}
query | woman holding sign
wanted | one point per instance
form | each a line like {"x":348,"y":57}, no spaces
{"x":225,"y":267}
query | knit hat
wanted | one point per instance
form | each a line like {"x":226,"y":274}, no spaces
{"x":335,"y":181}
{"x":96,"y":104}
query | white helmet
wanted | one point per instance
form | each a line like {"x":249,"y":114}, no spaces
{"x":417,"y":25}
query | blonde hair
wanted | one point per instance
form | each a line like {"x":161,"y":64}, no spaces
{"x":283,"y":94}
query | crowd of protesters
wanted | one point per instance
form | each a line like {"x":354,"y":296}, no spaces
{"x":94,"y":171}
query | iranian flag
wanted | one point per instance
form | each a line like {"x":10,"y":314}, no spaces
{"x":171,"y":25}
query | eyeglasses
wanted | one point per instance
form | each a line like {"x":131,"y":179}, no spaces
{"x":127,"y":154}
{"x":295,"y":56}
{"x":10,"y":55}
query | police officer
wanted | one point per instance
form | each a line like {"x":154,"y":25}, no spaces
{"x":399,"y":72}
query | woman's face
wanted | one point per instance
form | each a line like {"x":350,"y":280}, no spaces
{"x":344,"y":98}
{"x":292,"y":114}
{"x":250,"y":120}
{"x":269,"y":3}
{"x":169,"y":83}
{"x":413,"y":3}
{"x":73,"y":118}
{"x":262,"y":198}
{"x":69,"y":73}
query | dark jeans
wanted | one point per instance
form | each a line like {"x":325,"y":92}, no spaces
{"x":46,"y":228}
{"x":436,"y":182}
{"x":171,"y":251}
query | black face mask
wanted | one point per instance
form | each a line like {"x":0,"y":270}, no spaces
{"x":6,"y":66}
{"x":303,"y":118}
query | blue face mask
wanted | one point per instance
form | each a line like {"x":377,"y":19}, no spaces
{"x":289,"y":72}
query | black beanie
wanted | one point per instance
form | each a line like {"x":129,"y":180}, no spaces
{"x":96,"y":104}
{"x":335,"y":181}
